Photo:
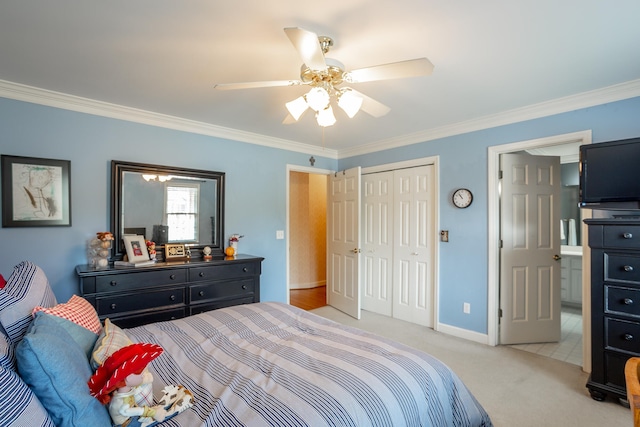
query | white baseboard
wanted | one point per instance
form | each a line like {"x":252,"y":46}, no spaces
{"x":463,"y":333}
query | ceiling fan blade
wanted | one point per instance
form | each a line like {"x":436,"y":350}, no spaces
{"x":308,"y":47}
{"x":253,"y":85}
{"x":395,"y":70}
{"x":371,"y":106}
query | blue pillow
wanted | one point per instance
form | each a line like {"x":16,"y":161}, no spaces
{"x":56,"y":368}
{"x":81,"y":335}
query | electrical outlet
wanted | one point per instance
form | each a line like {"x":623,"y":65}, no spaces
{"x":280,"y":234}
{"x":466,"y":308}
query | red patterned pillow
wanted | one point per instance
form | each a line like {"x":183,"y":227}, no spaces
{"x":2,"y":282}
{"x":78,"y":310}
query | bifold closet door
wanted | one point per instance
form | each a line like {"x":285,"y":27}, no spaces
{"x":397,"y":262}
{"x":413,"y":269}
{"x":377,"y":242}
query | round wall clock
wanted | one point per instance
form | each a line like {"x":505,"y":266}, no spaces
{"x":462,"y":198}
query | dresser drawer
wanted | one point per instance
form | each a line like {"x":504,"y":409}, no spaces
{"x":622,"y":301}
{"x":614,"y":370}
{"x":137,"y":302}
{"x":221,"y":290}
{"x":201,"y":308}
{"x":621,"y":268}
{"x":622,"y":335}
{"x":143,"y":319}
{"x":144,"y":279}
{"x":621,"y":236}
{"x":217,"y":272}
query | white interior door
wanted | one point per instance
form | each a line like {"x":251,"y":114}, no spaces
{"x":413,"y":269}
{"x":377,"y":242}
{"x":530,"y":286}
{"x":343,"y":245}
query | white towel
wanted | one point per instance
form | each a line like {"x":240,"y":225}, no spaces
{"x":572,"y":233}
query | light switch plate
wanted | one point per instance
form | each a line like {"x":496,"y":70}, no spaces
{"x":280,"y":234}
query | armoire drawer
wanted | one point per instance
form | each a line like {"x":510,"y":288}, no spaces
{"x":622,"y":335}
{"x":221,"y":290}
{"x":140,"y":301}
{"x":143,"y":279}
{"x":217,"y":272}
{"x":621,"y":236}
{"x":622,"y":301}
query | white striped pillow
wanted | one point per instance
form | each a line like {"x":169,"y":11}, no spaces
{"x":26,"y":288}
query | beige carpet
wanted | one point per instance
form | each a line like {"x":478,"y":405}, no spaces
{"x":517,"y":388}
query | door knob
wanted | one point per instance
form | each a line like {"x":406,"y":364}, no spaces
{"x":557,"y":257}
{"x":355,"y":251}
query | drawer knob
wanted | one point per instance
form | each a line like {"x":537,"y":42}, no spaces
{"x":244,"y":286}
{"x":201,"y":293}
{"x":173,"y":276}
{"x":628,"y":337}
{"x":113,"y":306}
{"x":245,"y":269}
{"x":113,"y":283}
{"x":628,"y":268}
{"x":201,"y":274}
{"x":627,"y":235}
{"x":628,"y":301}
{"x":172,"y":297}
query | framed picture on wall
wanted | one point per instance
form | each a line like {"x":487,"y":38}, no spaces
{"x":35,"y":192}
{"x":136,"y":248}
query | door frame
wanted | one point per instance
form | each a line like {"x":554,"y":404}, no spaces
{"x":289,"y":169}
{"x":424,"y":161}
{"x":493,"y":199}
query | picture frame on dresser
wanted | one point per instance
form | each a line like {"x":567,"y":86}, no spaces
{"x":36,"y":192}
{"x":136,"y":248}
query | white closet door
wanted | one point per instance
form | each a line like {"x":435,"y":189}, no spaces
{"x":377,"y":242}
{"x":413,"y":269}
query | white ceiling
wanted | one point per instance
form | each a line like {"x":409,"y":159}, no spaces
{"x":491,"y":57}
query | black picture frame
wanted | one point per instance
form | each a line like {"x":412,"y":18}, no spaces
{"x":35,"y":192}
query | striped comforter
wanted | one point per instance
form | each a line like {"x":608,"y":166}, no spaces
{"x":271,"y":364}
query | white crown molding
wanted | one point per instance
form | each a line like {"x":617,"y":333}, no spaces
{"x":49,"y":98}
{"x":64,"y":101}
{"x":605,"y":95}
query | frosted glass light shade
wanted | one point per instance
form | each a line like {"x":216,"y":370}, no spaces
{"x":317,"y":98}
{"x":297,"y":107}
{"x":325,"y":117}
{"x":350,"y":103}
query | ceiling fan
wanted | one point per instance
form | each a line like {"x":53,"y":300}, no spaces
{"x":326,"y":76}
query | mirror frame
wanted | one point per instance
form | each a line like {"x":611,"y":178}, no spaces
{"x":118,"y":168}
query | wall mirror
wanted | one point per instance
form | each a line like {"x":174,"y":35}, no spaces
{"x":167,"y":205}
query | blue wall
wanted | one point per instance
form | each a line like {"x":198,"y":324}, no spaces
{"x":256,"y":189}
{"x":463,"y":163}
{"x":255,"y":186}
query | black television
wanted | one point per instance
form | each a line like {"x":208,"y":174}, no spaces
{"x":610,"y":175}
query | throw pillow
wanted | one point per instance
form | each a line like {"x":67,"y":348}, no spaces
{"x":77,"y":310}
{"x":57,"y":371}
{"x":26,"y":288}
{"x":81,"y":335}
{"x":2,"y":282}
{"x":19,"y":407}
{"x":110,"y":340}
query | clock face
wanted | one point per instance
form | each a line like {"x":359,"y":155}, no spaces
{"x":462,"y":198}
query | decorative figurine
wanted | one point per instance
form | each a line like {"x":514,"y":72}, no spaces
{"x":206,"y":251}
{"x":151,"y":248}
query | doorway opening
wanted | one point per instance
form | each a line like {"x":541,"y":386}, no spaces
{"x":542,"y":146}
{"x":306,"y":242}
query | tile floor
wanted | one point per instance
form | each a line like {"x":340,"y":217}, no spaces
{"x":569,"y":349}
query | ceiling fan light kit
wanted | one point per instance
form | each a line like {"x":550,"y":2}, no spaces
{"x":324,"y":75}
